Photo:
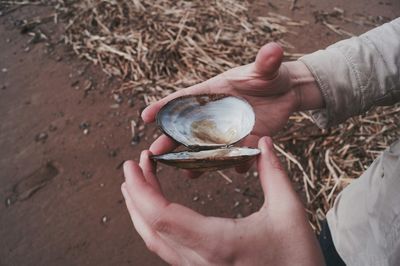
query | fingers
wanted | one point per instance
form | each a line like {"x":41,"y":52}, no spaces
{"x":140,"y":226}
{"x":154,"y":216}
{"x":149,"y":170}
{"x":274,"y":181}
{"x":148,"y":201}
{"x":163,"y":144}
{"x":149,"y":114}
{"x":269,"y":59}
{"x":153,"y":242}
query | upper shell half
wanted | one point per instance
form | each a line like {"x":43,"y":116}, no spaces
{"x":207,"y":125}
{"x":207,"y":121}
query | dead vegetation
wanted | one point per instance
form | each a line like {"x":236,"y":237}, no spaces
{"x":326,"y":161}
{"x":157,"y":47}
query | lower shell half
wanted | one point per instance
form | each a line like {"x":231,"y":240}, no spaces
{"x":208,"y":160}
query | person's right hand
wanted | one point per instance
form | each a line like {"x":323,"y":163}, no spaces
{"x":275,"y":91}
{"x":278,"y":234}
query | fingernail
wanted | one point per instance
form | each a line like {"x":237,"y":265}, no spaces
{"x":268,"y":141}
{"x":142,"y":114}
{"x":143,"y":155}
{"x":151,"y":148}
{"x":125,"y":165}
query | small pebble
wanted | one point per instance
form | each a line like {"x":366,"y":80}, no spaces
{"x":58,"y":58}
{"x":135,"y":140}
{"x":101,"y":185}
{"x":86,"y":174}
{"x":209,"y":197}
{"x":239,"y":215}
{"x":8,"y":40}
{"x":8,"y":202}
{"x":86,"y":131}
{"x":41,"y":137}
{"x":104,"y":219}
{"x":84,"y":125}
{"x":52,"y":128}
{"x":114,"y":106}
{"x":74,"y":83}
{"x":237,"y":203}
{"x":4,"y":70}
{"x":237,"y":190}
{"x":255,"y":174}
{"x":112,"y":153}
{"x":195,"y":198}
{"x":87,"y":86}
{"x":27,"y":49}
{"x":117,"y":98}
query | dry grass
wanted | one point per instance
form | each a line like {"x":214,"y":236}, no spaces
{"x":157,"y":47}
{"x":326,"y":161}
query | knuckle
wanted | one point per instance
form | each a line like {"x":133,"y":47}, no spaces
{"x":161,"y":225}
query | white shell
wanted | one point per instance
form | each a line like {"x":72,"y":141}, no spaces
{"x":221,"y":153}
{"x":208,"y":160}
{"x":207,"y":121}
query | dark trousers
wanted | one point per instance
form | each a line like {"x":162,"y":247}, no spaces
{"x":331,"y":256}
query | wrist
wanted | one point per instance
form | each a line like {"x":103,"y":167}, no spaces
{"x":303,"y":83}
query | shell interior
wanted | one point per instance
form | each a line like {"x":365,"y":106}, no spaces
{"x":207,"y":121}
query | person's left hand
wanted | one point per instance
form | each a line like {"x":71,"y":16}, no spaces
{"x":278,"y":234}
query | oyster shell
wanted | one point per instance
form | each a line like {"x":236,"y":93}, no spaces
{"x":208,"y":125}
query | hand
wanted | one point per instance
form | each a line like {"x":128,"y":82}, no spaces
{"x":275,"y":91}
{"x":278,"y":234}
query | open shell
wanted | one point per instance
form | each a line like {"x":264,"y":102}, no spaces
{"x":208,"y":125}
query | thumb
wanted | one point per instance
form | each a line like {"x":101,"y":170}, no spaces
{"x":268,"y":60}
{"x":274,"y":181}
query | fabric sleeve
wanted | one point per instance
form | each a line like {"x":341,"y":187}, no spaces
{"x":357,"y":73}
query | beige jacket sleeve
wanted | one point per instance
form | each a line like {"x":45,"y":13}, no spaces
{"x":357,"y":73}
{"x":365,"y":218}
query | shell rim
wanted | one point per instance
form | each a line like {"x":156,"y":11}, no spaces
{"x":233,"y":158}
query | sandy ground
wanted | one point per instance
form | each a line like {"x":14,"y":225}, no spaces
{"x":62,"y":147}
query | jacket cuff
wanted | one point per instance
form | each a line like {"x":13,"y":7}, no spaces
{"x":336,"y":77}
